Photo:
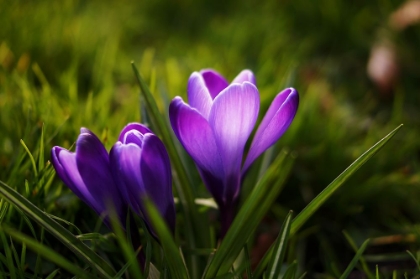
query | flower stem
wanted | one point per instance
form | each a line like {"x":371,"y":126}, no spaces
{"x":227,"y":214}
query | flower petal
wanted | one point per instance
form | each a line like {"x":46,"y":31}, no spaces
{"x":157,"y":178}
{"x":198,"y":94}
{"x":93,"y":164}
{"x":245,"y":75}
{"x":276,"y":121}
{"x":214,"y":184}
{"x":195,"y":134}
{"x":65,"y":165}
{"x":215,"y":82}
{"x":134,"y":137}
{"x":133,"y":126}
{"x":59,"y":168}
{"x":232,"y":119}
{"x":174,"y":108}
{"x":125,"y":163}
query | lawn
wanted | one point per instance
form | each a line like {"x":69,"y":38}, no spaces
{"x":70,"y":64}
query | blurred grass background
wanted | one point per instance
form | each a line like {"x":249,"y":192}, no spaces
{"x":66,"y":64}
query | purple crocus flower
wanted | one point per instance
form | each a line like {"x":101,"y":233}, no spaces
{"x":216,"y":124}
{"x":141,"y":164}
{"x":87,"y":173}
{"x":137,"y":167}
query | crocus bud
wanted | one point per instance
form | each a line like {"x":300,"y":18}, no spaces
{"x":140,"y":164}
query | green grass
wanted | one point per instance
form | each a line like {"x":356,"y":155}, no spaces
{"x":66,"y":65}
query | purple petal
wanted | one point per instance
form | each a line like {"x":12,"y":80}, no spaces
{"x":133,"y":126}
{"x":199,"y":95}
{"x":84,"y":130}
{"x":276,"y":121}
{"x":156,"y":174}
{"x":214,"y":184}
{"x":195,"y":134}
{"x":215,"y":82}
{"x":65,"y":165}
{"x":232,"y":118}
{"x":134,"y":137}
{"x":245,"y":75}
{"x":174,"y":108}
{"x":125,"y":163}
{"x":59,"y":168}
{"x":93,"y":165}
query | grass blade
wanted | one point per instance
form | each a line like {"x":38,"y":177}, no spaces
{"x":30,"y":156}
{"x":310,"y":209}
{"x":290,"y":271}
{"x":319,"y":200}
{"x":9,"y":257}
{"x":46,"y":252}
{"x":41,"y":160}
{"x":415,"y":260}
{"x":250,"y":215}
{"x":274,"y":268}
{"x":170,"y":250}
{"x":160,"y":126}
{"x":181,"y":179}
{"x":53,"y":274}
{"x":128,"y":252}
{"x":355,"y":260}
{"x":58,"y":231}
{"x":38,"y":261}
{"x":23,"y":256}
{"x":247,"y":262}
{"x":362,"y":260}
